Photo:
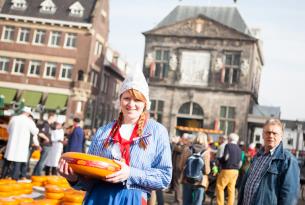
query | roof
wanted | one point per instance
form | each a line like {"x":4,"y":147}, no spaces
{"x":62,"y":11}
{"x":266,"y":111}
{"x":228,"y":16}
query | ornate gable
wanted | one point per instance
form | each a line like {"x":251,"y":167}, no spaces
{"x":200,"y":27}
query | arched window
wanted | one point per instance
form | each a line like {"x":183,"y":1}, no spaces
{"x":191,"y":108}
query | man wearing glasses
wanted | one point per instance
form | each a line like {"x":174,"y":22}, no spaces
{"x":274,"y":175}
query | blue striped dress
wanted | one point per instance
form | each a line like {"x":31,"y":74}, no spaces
{"x":150,"y":169}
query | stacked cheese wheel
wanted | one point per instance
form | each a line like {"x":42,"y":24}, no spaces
{"x":73,"y":197}
{"x":54,"y":192}
{"x":46,"y":180}
{"x":13,"y":188}
{"x":90,"y":165}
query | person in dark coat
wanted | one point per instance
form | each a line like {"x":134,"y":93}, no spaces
{"x":77,"y":138}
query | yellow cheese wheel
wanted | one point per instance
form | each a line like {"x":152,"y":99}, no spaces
{"x":91,"y":165}
{"x":8,"y":201}
{"x":50,"y":195}
{"x":75,"y":198}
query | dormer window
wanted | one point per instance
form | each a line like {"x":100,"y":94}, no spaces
{"x":19,"y":4}
{"x":47,"y":6}
{"x":76,"y":9}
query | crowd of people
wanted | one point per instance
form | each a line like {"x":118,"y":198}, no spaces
{"x":260,"y":174}
{"x":191,"y":167}
{"x":50,"y":137}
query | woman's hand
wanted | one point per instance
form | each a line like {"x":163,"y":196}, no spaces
{"x":121,"y":175}
{"x":66,"y":171}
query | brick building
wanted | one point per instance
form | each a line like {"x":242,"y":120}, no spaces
{"x":52,"y":54}
{"x":203,"y":65}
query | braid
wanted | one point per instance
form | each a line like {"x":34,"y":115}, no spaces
{"x":141,"y":124}
{"x":116,"y":126}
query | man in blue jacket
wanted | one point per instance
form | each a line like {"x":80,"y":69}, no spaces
{"x":274,"y":176}
{"x":76,"y":138}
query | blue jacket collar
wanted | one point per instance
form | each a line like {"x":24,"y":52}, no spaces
{"x":278,"y":153}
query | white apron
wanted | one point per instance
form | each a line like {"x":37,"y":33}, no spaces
{"x":56,"y":148}
{"x":19,"y":129}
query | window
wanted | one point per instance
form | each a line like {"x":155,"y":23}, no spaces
{"x":24,"y":35}
{"x":8,"y":33}
{"x":231,"y":71}
{"x":104,"y":83}
{"x":19,"y":66}
{"x":190,"y":108}
{"x":156,"y":109}
{"x":55,"y":38}
{"x":19,"y":4}
{"x":4,"y":63}
{"x":50,"y":70}
{"x":76,"y":9}
{"x":257,"y":138}
{"x":40,"y":37}
{"x":98,"y":48}
{"x":227,"y":119}
{"x":161,"y":64}
{"x":93,"y":78}
{"x":66,"y":71}
{"x":47,"y":6}
{"x":34,"y":68}
{"x":70,"y":40}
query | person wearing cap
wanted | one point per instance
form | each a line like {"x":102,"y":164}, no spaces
{"x":140,"y":145}
{"x":20,"y":128}
{"x":274,"y":174}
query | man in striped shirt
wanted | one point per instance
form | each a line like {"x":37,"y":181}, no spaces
{"x":273,"y":176}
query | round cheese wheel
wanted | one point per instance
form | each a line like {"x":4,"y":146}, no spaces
{"x":70,"y":203}
{"x":54,"y":188}
{"x":24,"y":199}
{"x":47,"y":202}
{"x":75,"y":198}
{"x":8,"y":201}
{"x":90,"y":165}
{"x":50,"y":195}
{"x":38,"y":178}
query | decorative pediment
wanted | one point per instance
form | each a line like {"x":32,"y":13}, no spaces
{"x":48,"y":6}
{"x":76,"y":9}
{"x":199,"y":27}
{"x":19,"y":4}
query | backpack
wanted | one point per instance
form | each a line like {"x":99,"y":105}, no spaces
{"x":193,"y":167}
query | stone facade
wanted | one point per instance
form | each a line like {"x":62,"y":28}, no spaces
{"x":207,"y":67}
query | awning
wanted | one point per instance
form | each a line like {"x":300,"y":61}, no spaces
{"x":196,"y":129}
{"x":31,"y":98}
{"x":56,"y":101}
{"x":8,"y":93}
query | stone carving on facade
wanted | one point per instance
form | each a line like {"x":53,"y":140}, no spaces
{"x":244,"y":67}
{"x":150,"y":64}
{"x":149,"y":59}
{"x":173,"y":61}
{"x":219,"y":64}
{"x":199,"y":25}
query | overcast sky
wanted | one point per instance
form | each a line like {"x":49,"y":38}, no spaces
{"x":282,"y":32}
